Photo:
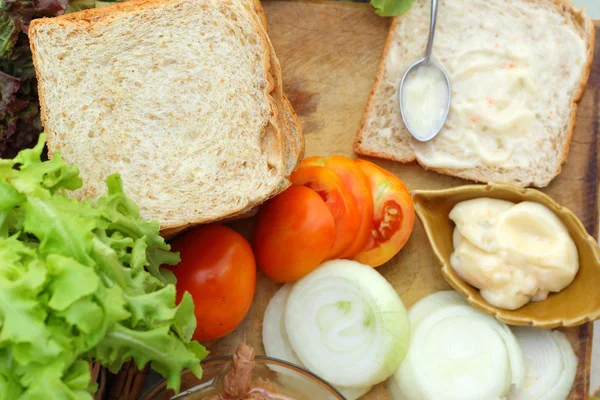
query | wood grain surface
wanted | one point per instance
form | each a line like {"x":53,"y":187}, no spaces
{"x":329,"y":53}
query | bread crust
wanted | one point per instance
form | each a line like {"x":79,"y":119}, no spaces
{"x":288,"y":117}
{"x":482,"y":174}
{"x":292,"y":125}
{"x":358,"y":147}
{"x":290,"y":147}
{"x":591,"y":31}
{"x":300,"y":141}
{"x":88,"y":19}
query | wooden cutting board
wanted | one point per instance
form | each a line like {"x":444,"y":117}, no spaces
{"x":329,"y":52}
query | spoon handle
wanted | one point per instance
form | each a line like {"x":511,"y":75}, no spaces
{"x":434,"y":7}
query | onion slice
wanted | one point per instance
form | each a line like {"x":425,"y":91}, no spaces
{"x":275,"y":338}
{"x":277,"y":344}
{"x":457,"y":352}
{"x":347,"y":324}
{"x":550,"y":363}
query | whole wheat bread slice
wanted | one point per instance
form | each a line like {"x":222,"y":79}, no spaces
{"x":175,"y":95}
{"x":549,"y":42}
{"x":291,"y":125}
{"x":290,"y":122}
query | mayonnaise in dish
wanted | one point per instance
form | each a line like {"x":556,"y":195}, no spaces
{"x":513,"y":253}
{"x":425,"y":101}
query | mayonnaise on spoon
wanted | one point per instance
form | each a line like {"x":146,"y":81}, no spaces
{"x":424,"y":92}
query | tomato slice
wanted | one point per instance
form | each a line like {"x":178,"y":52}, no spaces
{"x":293,"y":235}
{"x":393,"y":217}
{"x":358,"y":185}
{"x":339,"y":200}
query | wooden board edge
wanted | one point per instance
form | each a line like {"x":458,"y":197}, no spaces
{"x":596,"y":131}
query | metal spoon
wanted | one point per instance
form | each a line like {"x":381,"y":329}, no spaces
{"x":426,"y":61}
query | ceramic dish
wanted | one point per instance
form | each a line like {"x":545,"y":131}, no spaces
{"x":291,"y":380}
{"x":576,"y":304}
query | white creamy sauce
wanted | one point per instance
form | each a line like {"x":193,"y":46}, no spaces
{"x":511,"y":81}
{"x":513,"y":253}
{"x":425,"y":101}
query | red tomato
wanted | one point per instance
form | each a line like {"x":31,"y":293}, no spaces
{"x":358,"y":185}
{"x":393,"y":218}
{"x":340,"y":202}
{"x":218,"y":269}
{"x":294,"y":234}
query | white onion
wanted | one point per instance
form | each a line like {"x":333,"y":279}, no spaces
{"x":277,"y":344}
{"x":427,"y":305}
{"x":456,"y":352}
{"x":347,"y":324}
{"x":550,"y":364}
{"x":275,"y":338}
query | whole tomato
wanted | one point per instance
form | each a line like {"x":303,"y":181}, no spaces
{"x":294,"y":234}
{"x":218,"y":269}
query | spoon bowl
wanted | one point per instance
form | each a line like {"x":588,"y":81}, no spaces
{"x":426,"y":91}
{"x":443,"y":107}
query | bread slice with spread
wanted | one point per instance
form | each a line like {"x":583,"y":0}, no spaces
{"x":517,"y":71}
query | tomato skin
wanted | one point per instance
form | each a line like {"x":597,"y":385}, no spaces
{"x":218,"y":269}
{"x":358,"y":185}
{"x":294,"y":233}
{"x":338,"y":199}
{"x":393,"y":216}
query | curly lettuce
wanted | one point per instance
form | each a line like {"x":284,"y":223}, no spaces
{"x":82,"y":282}
{"x":391,"y":8}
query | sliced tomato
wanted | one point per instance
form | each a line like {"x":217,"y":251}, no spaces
{"x":337,"y":198}
{"x":393,"y":216}
{"x":293,"y":235}
{"x":358,"y":185}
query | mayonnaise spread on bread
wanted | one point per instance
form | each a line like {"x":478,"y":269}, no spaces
{"x":513,"y":253}
{"x":425,"y":100}
{"x":513,"y":74}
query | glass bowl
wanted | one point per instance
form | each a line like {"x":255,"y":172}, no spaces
{"x":293,"y":382}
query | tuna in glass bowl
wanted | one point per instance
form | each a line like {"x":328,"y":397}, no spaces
{"x":252,"y":378}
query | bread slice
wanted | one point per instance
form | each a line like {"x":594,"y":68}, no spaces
{"x":517,"y":70}
{"x":282,"y":109}
{"x":288,"y":121}
{"x":291,"y":126}
{"x":293,"y":121}
{"x":175,"y":95}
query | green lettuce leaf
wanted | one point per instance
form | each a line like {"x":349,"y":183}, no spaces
{"x":82,"y":281}
{"x":70,"y":282}
{"x":167,"y":354}
{"x":391,"y":8}
{"x":9,"y":33}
